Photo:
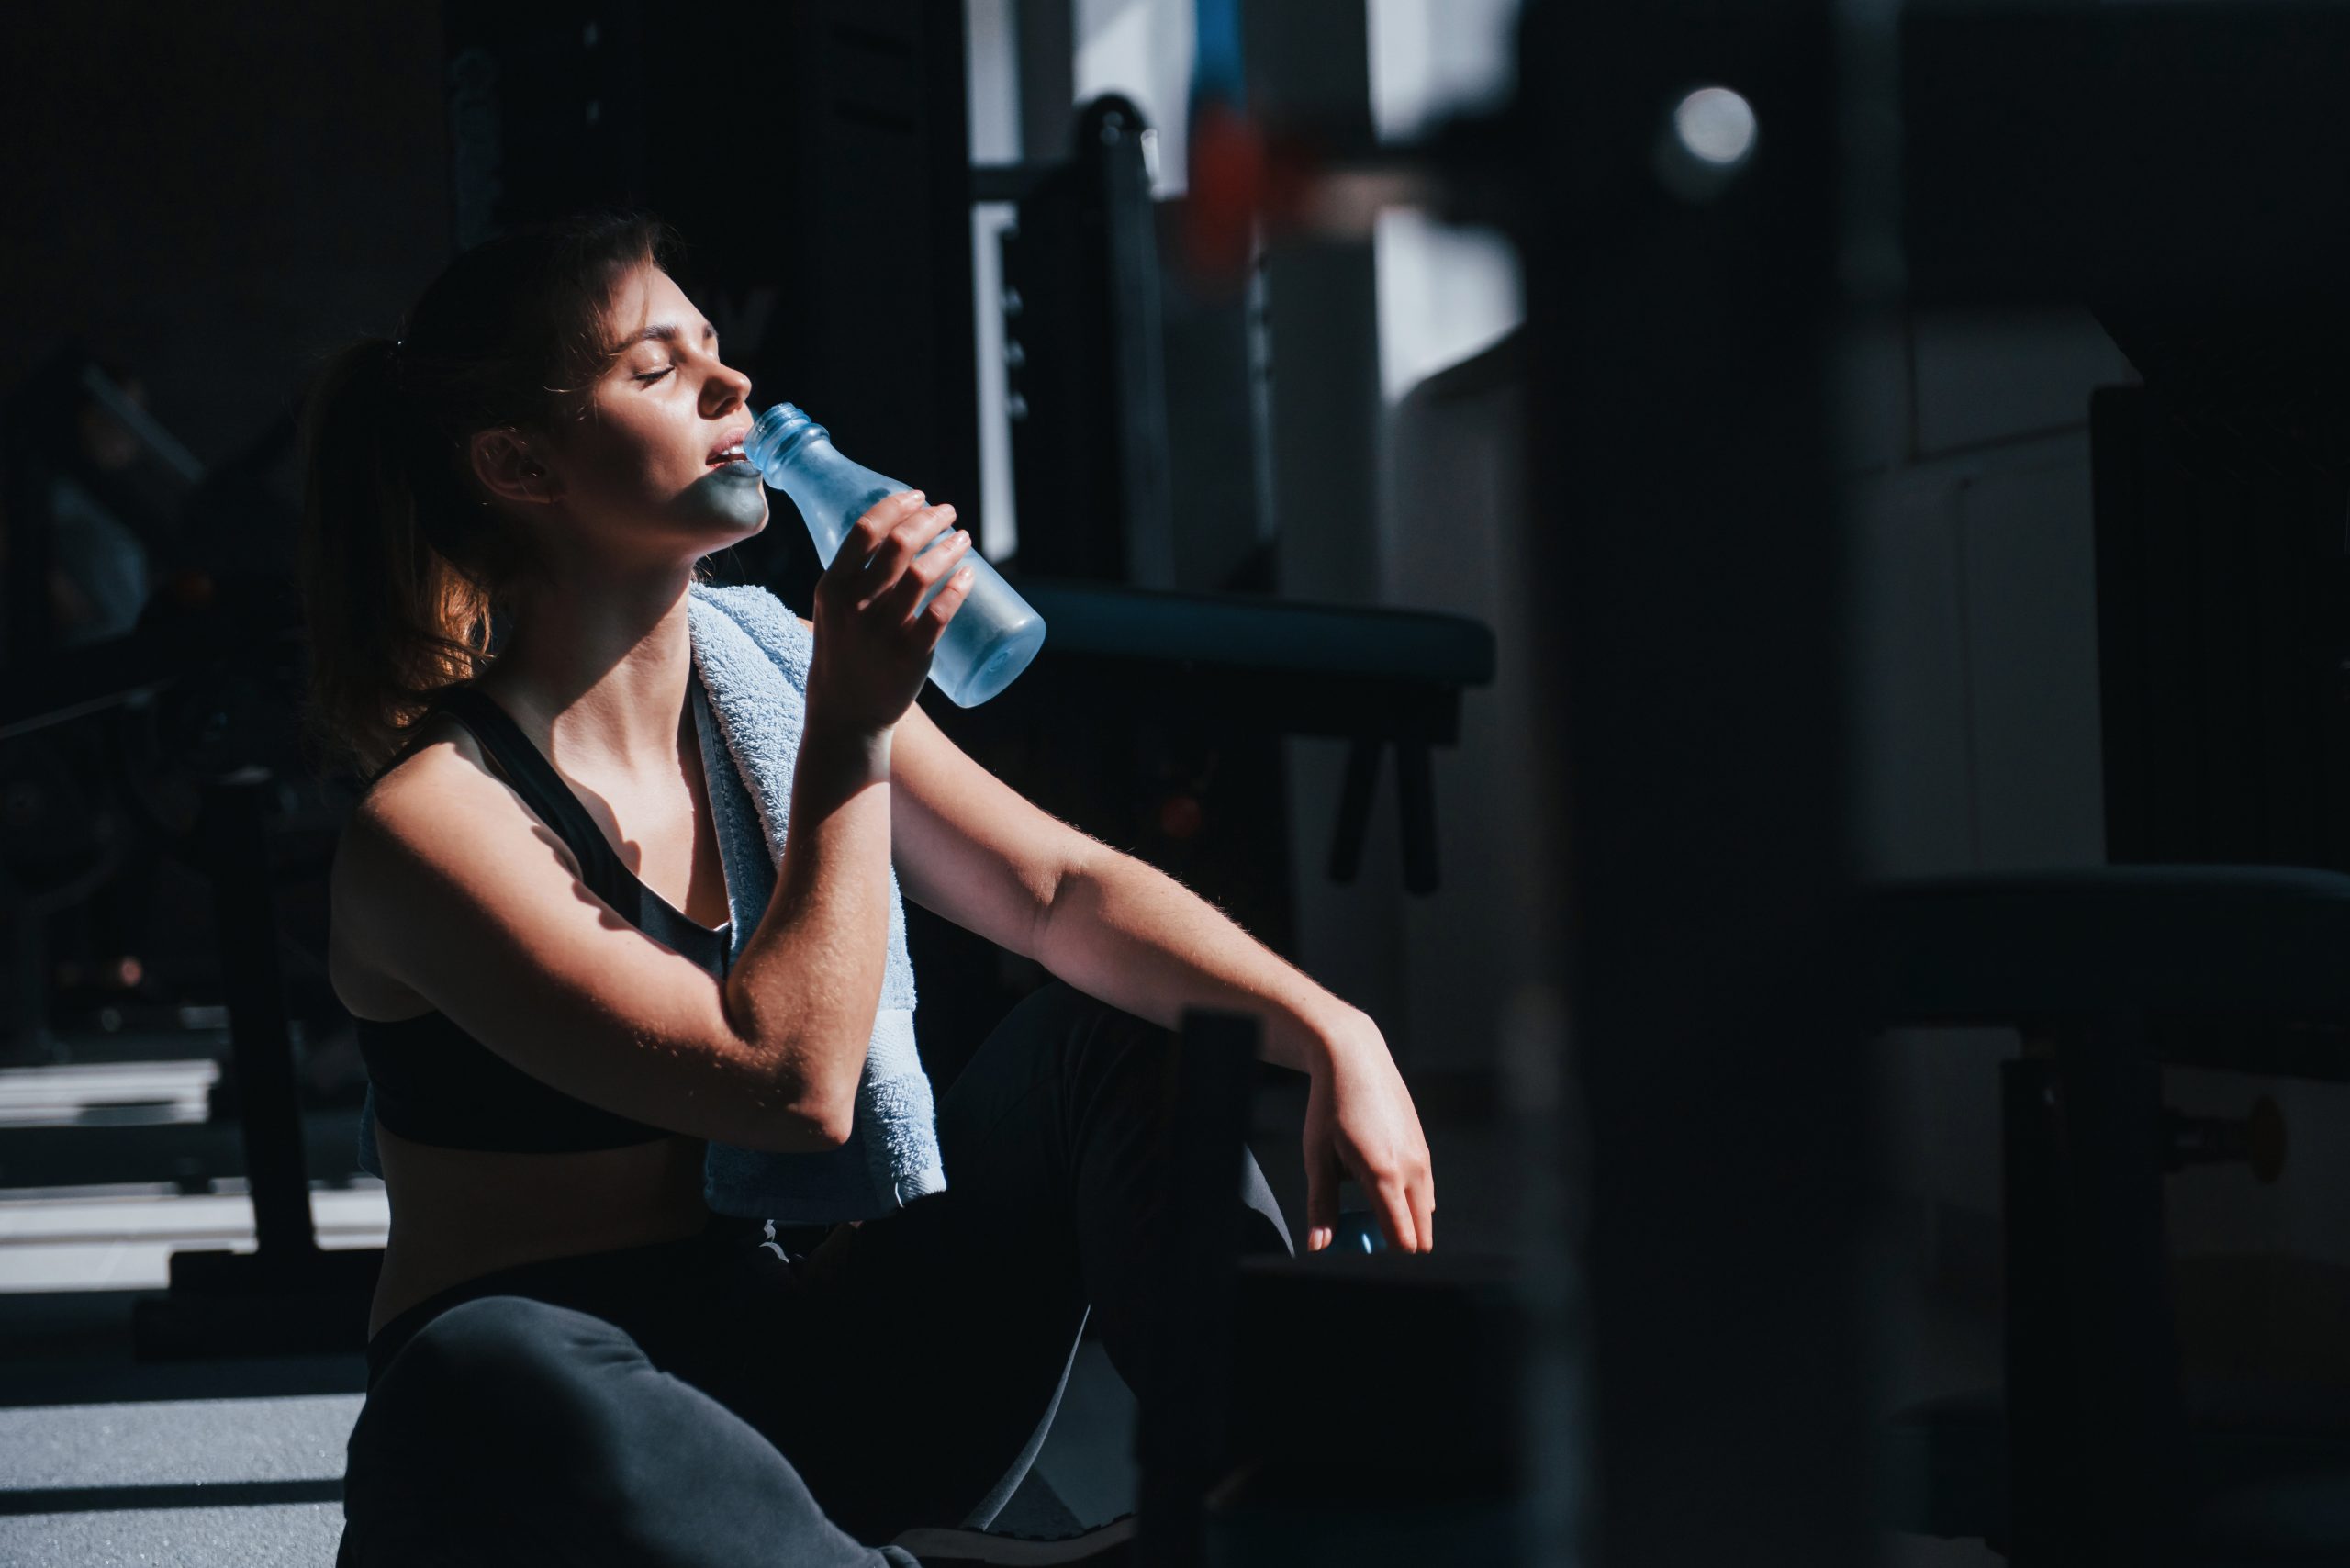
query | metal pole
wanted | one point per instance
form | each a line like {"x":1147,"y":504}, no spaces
{"x":262,"y":1050}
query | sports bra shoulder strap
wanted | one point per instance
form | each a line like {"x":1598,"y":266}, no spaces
{"x":544,"y":790}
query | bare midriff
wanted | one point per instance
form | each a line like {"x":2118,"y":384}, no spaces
{"x":458,"y":1213}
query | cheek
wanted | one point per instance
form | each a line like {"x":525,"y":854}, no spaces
{"x":626,"y":454}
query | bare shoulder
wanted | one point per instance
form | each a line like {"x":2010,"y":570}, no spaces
{"x":439,"y":820}
{"x":445,"y":791}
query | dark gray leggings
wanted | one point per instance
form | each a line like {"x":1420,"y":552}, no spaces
{"x":710,"y":1401}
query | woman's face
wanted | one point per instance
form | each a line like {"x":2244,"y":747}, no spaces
{"x":638,"y":470}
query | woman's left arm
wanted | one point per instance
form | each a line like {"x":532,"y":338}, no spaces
{"x":971,"y":848}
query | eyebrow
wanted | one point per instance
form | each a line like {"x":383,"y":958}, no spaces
{"x":666,"y":333}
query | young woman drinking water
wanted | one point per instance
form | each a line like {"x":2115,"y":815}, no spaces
{"x":570,"y":1358}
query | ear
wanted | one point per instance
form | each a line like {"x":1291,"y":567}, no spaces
{"x":510,"y":466}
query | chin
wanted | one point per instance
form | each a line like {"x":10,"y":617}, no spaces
{"x":720,"y":526}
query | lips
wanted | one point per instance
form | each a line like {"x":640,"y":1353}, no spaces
{"x":730,"y":447}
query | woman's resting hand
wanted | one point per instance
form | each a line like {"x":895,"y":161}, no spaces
{"x":1359,"y":1122}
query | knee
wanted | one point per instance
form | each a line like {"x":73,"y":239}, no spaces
{"x":1109,"y":1044}
{"x":497,"y":1372}
{"x":488,"y":1348}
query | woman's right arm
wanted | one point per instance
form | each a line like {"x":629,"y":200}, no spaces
{"x":811,"y":974}
{"x":453,"y":890}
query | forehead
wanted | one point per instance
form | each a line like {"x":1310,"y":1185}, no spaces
{"x":649,"y":302}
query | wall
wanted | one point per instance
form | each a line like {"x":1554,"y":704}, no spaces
{"x":224,"y":204}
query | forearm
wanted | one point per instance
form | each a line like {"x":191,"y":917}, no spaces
{"x":1125,"y":931}
{"x":804,"y":990}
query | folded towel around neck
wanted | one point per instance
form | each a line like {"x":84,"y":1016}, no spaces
{"x":750,"y":655}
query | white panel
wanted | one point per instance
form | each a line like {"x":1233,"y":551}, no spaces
{"x":1444,"y":294}
{"x":992,"y":74}
{"x":993,"y":79}
{"x":1142,"y":49}
{"x":998,"y":530}
{"x":1429,"y":58}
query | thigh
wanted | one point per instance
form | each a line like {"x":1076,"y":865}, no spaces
{"x":513,"y":1429}
{"x":923,"y":1348}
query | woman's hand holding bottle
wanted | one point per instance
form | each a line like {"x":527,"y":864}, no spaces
{"x":874,"y":636}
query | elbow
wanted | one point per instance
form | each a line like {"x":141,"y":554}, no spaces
{"x":830,"y":1122}
{"x":822,"y":1115}
{"x":826,"y":1097}
{"x":807,"y":1110}
{"x":817,"y":1118}
{"x":789,"y":1114}
{"x":798,"y":1127}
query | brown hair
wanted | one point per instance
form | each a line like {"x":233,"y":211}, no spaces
{"x":403,"y":558}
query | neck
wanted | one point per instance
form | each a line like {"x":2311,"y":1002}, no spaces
{"x":598,"y":666}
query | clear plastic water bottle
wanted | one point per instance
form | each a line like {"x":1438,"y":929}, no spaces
{"x":996,"y":632}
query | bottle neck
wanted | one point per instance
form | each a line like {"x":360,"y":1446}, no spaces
{"x":780,"y":434}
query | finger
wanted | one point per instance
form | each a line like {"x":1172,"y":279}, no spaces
{"x":865,"y":536}
{"x":1424,"y":1214}
{"x":1322,"y":1178}
{"x":860,"y":559}
{"x":1395,"y":1214}
{"x":924,"y":571}
{"x":922,"y":574}
{"x":897,"y":552}
{"x":950,"y":599}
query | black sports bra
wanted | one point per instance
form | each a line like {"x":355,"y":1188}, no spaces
{"x":435,"y":1083}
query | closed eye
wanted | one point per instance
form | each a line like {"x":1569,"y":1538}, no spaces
{"x":658,"y":373}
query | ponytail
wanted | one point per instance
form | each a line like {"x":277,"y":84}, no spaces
{"x":392,"y":620}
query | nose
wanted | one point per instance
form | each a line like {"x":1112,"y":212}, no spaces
{"x":726,"y":386}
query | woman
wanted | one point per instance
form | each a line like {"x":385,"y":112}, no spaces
{"x":569,"y":1356}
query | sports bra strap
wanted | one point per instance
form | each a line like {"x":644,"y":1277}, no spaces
{"x":544,"y":790}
